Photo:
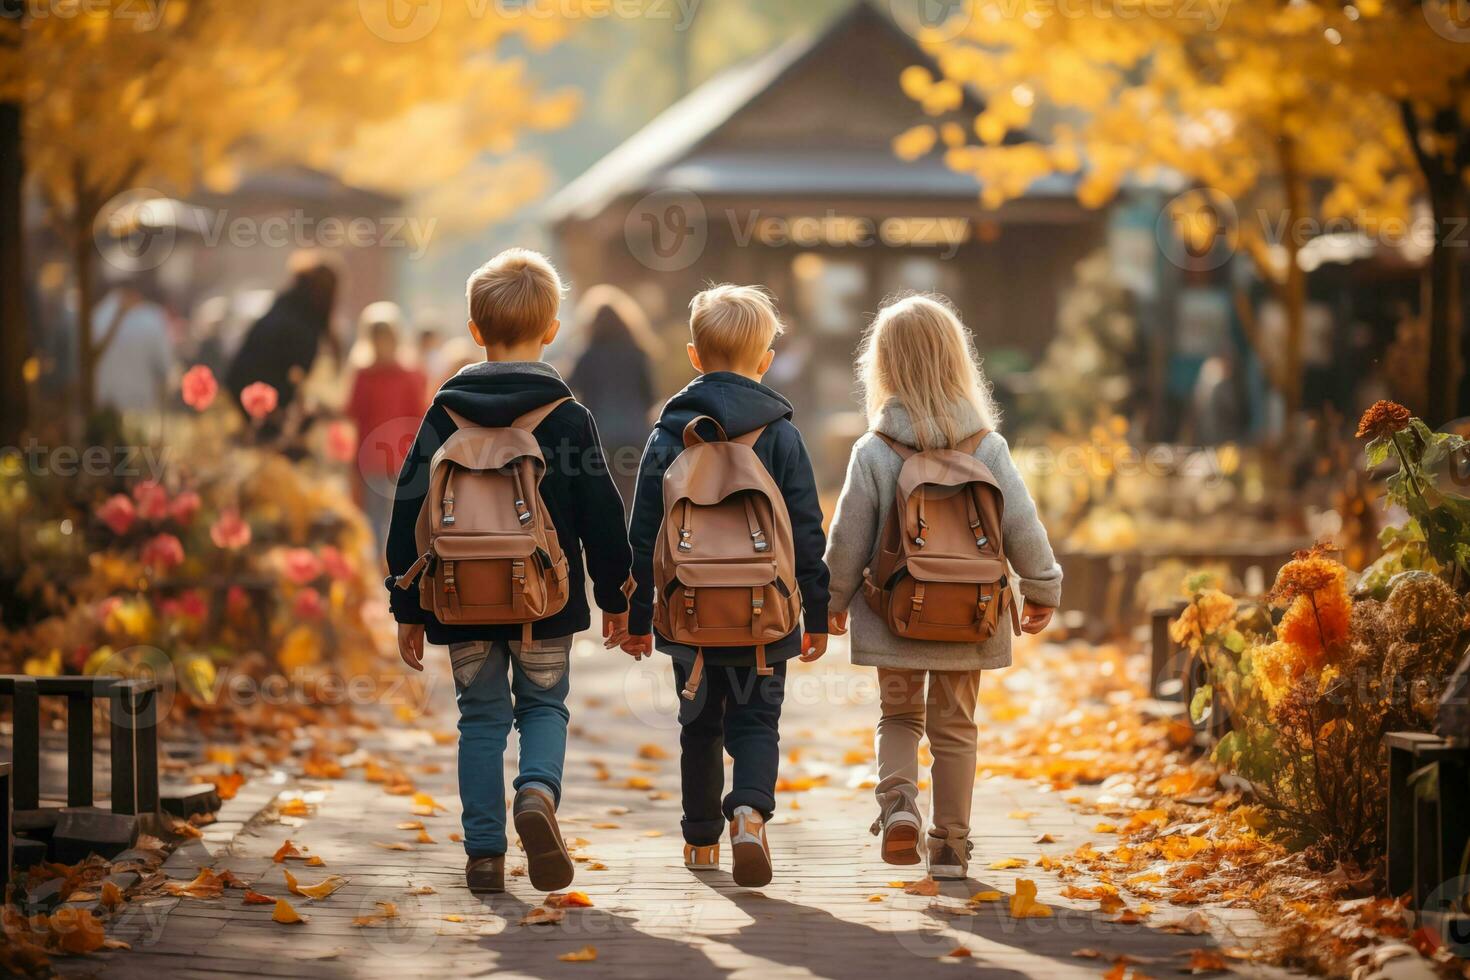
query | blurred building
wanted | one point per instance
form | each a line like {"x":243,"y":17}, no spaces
{"x":782,"y":171}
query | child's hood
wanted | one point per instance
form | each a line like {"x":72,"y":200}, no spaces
{"x":894,"y":421}
{"x":739,"y":404}
{"x":495,"y":394}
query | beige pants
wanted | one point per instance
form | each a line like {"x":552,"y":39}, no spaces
{"x":940,"y":704}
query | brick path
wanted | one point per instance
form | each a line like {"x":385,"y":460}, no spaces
{"x":650,"y":916}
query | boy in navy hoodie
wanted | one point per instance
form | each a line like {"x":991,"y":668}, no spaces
{"x":513,"y":301}
{"x":736,"y":710}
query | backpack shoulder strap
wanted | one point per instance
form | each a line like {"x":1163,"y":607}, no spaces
{"x":971,"y":444}
{"x":904,"y":450}
{"x":691,"y":431}
{"x":460,"y":422}
{"x":749,"y":438}
{"x":536,"y":416}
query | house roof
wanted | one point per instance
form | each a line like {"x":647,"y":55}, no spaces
{"x":674,"y":149}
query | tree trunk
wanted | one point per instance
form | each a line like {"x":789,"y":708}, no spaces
{"x":82,"y":250}
{"x":1447,"y":200}
{"x":1294,"y":290}
{"x":15,"y":328}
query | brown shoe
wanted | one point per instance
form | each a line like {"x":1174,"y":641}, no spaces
{"x":749,"y":850}
{"x":949,"y":860}
{"x":547,"y":862}
{"x":485,"y":874}
{"x":898,"y":828}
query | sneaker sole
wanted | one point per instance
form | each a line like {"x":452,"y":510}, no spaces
{"x":484,"y":889}
{"x":548,"y":864}
{"x":901,"y":844}
{"x":751,"y":862}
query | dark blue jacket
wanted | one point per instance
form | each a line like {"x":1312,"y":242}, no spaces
{"x":740,"y":406}
{"x":579,"y":494}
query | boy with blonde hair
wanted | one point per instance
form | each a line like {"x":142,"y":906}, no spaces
{"x":499,"y":681}
{"x":737,"y":708}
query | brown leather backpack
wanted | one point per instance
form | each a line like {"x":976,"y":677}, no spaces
{"x":940,"y":572}
{"x":723,"y":565}
{"x":490,"y":554}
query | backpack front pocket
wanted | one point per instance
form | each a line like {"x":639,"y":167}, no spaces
{"x":947,"y":599}
{"x":727,"y":604}
{"x":490,"y":578}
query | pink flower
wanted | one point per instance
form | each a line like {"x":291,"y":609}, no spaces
{"x":237,"y":602}
{"x":301,"y":566}
{"x":152,"y":500}
{"x":191,"y":605}
{"x":118,"y":513}
{"x":199,"y":387}
{"x":308,"y":604}
{"x":162,"y":553}
{"x":184,"y":507}
{"x":107,"y":606}
{"x":229,"y":531}
{"x":341,"y":442}
{"x":336,"y":564}
{"x":259,"y":400}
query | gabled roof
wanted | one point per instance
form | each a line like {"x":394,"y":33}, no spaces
{"x":671,"y":151}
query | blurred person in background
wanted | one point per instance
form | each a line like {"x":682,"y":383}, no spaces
{"x":135,"y":372}
{"x":281,"y":347}
{"x":613,"y":377}
{"x":388,"y":398}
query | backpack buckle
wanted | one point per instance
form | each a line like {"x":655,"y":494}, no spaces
{"x":448,"y":511}
{"x":757,"y":604}
{"x":919,"y":540}
{"x":981,"y":541}
{"x":761,"y":544}
{"x":684,"y":543}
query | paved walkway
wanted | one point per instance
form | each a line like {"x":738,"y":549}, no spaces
{"x":831,"y":912}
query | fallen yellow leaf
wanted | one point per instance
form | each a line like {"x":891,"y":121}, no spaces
{"x":1024,"y":904}
{"x":1005,"y":864}
{"x":979,"y":897}
{"x":285,"y":914}
{"x":584,"y":955}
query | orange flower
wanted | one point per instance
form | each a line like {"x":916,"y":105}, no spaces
{"x":1383,"y":418}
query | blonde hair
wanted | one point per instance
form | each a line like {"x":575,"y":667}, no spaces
{"x":514,"y":297}
{"x":736,"y":323}
{"x":917,"y":352}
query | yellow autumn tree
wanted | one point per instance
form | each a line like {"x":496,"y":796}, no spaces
{"x":1277,"y":109}
{"x":123,"y":94}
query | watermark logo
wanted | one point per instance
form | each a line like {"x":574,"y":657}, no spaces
{"x":1450,"y":19}
{"x":1198,"y":229}
{"x":135,"y":230}
{"x":141,"y":663}
{"x":668,"y":230}
{"x":940,"y":20}
{"x":401,"y":21}
{"x":1451,"y":901}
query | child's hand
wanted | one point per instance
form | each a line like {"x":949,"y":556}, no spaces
{"x":1034,"y":618}
{"x":411,"y":644}
{"x":614,"y":629}
{"x":638,"y":647}
{"x":837,"y":623}
{"x":813,"y":645}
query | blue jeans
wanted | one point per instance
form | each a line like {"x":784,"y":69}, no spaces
{"x":497,"y":686}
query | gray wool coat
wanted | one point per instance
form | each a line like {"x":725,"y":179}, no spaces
{"x":867,"y":497}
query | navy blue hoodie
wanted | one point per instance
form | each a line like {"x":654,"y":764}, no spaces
{"x":578,"y":491}
{"x":740,"y":405}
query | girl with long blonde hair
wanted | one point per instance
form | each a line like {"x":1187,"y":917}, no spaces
{"x":924,"y":388}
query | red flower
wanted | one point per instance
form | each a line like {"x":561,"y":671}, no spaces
{"x":152,"y":500}
{"x":301,"y":566}
{"x":229,"y":531}
{"x":118,"y":513}
{"x":237,"y":602}
{"x":259,"y":400}
{"x":184,"y":507}
{"x":192,"y":605}
{"x":336,"y":564}
{"x":162,"y":553}
{"x":1383,"y":418}
{"x":199,"y":387}
{"x":308,"y":604}
{"x":341,"y":442}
